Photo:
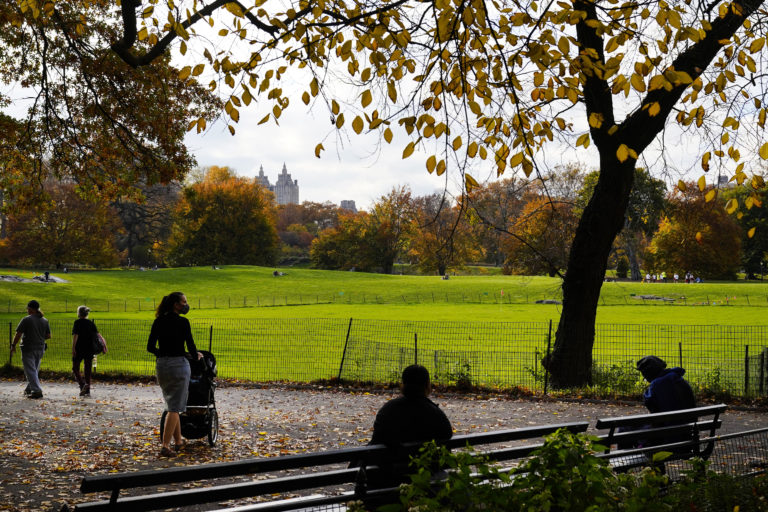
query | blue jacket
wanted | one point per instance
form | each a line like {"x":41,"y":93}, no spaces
{"x":669,"y":392}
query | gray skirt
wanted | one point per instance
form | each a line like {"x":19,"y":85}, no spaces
{"x":173,"y":376}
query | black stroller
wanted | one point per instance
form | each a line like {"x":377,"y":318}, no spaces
{"x":201,"y":418}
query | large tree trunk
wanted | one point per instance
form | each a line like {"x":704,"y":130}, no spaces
{"x":571,"y":361}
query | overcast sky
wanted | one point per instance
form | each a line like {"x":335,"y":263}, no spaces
{"x":353,"y":168}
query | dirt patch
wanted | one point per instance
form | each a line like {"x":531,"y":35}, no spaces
{"x":48,"y":445}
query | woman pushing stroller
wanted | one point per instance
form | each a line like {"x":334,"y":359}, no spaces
{"x":170,"y":331}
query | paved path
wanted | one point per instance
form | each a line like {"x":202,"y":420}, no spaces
{"x":47,"y":445}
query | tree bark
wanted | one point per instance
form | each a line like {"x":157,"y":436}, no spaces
{"x":571,"y":361}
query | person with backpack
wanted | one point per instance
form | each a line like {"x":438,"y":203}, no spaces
{"x":85,"y":344}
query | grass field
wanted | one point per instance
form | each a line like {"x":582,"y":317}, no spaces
{"x":258,"y":337}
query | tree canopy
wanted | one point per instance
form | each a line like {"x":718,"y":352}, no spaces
{"x":477,"y":84}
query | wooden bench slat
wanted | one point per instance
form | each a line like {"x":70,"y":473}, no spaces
{"x":644,"y":419}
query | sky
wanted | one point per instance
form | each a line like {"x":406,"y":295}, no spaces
{"x":355,"y":168}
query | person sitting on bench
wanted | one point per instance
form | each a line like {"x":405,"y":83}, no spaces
{"x":668,"y":390}
{"x":411,"y":417}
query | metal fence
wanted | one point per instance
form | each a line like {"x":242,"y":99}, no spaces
{"x":658,"y":295}
{"x":719,"y":360}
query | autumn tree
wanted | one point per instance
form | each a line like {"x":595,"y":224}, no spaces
{"x":345,"y":246}
{"x":480,"y":85}
{"x":147,"y":222}
{"x":224,"y":220}
{"x":697,"y":236}
{"x":543,"y":233}
{"x":440,"y":237}
{"x":299,"y":224}
{"x":389,"y":223}
{"x":493,"y":209}
{"x":753,"y":221}
{"x":64,"y":229}
{"x":89,"y":117}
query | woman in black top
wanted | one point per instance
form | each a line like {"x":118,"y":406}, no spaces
{"x":83,"y":333}
{"x":170,"y":331}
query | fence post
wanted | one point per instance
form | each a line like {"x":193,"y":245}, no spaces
{"x":549,"y":345}
{"x":746,"y":370}
{"x":10,"y":342}
{"x":415,"y":348}
{"x":210,"y":340}
{"x":763,"y":356}
{"x":344,"y":353}
{"x":680,"y":352}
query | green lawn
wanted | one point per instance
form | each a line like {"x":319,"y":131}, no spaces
{"x":454,"y":322}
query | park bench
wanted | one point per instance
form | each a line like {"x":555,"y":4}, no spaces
{"x":310,"y":478}
{"x":631,"y":441}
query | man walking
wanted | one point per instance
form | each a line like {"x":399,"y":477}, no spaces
{"x":32,"y":330}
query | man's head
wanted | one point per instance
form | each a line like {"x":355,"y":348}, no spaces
{"x":651,"y":367}
{"x":33,"y":305}
{"x":416,"y":381}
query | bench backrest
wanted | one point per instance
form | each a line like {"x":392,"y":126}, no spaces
{"x":114,"y":483}
{"x":685,"y":425}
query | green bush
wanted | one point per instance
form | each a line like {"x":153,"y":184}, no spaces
{"x":622,"y":267}
{"x":565,"y":475}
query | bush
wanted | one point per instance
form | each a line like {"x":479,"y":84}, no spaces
{"x":565,"y":475}
{"x":622,"y":267}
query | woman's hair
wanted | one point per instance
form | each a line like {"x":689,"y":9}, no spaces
{"x":82,"y":311}
{"x":166,"y":305}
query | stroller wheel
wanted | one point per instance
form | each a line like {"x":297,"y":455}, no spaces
{"x":162,"y":424}
{"x":213,"y":431}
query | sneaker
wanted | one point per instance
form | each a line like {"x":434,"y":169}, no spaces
{"x":86,"y":390}
{"x":167,"y":452}
{"x":35,"y":395}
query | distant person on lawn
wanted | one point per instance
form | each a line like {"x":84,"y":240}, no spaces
{"x":32,"y":330}
{"x":411,"y":417}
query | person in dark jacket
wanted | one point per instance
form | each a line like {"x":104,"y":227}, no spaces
{"x":170,"y":332}
{"x":668,"y":390}
{"x":411,"y":417}
{"x":83,"y":333}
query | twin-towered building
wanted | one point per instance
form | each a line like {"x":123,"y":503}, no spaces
{"x":286,"y":190}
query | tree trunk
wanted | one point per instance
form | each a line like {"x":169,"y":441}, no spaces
{"x":634,"y":264}
{"x":571,"y":360}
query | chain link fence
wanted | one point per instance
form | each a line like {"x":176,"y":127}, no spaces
{"x":720,"y":360}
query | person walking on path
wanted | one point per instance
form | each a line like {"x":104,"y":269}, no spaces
{"x":170,"y":332}
{"x":84,"y":333}
{"x":33,"y":331}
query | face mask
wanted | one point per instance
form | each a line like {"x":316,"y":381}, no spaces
{"x":184,"y":309}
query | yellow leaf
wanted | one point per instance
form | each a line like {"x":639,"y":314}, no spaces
{"x":388,"y":135}
{"x":185,"y":72}
{"x":314,"y":88}
{"x":472,"y":149}
{"x":264,"y":119}
{"x":305,"y":98}
{"x":408,"y":151}
{"x":142,"y":34}
{"x":334,"y":107}
{"x":751,"y":232}
{"x":457,"y":143}
{"x":340,"y":121}
{"x":764,"y":151}
{"x":431,"y":163}
{"x":318,"y":149}
{"x":357,"y":125}
{"x":440,"y":167}
{"x":391,"y":91}
{"x":622,"y":153}
{"x":731,"y":205}
{"x":710,"y":195}
{"x":698,"y":236}
{"x":654,"y":109}
{"x":366,"y":99}
{"x":681,"y":186}
{"x":234,"y":114}
{"x":470,"y":183}
{"x":702,"y":183}
{"x":637,"y":82}
{"x":583,"y":140}
{"x":198,"y":69}
{"x":595,"y":120}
